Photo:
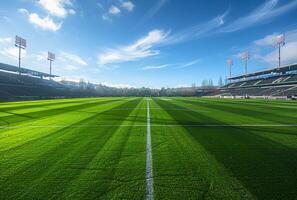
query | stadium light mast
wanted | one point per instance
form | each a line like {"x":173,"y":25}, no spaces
{"x":230,"y":64}
{"x":279,"y":41}
{"x":245,"y":57}
{"x":21,"y":43}
{"x":51,"y":57}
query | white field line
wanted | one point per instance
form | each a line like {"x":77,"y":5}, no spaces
{"x":149,"y":160}
{"x":155,"y":125}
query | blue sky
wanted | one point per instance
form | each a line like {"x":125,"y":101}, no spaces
{"x":151,"y":43}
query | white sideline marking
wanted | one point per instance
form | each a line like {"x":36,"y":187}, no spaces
{"x":155,"y":125}
{"x":149,"y":161}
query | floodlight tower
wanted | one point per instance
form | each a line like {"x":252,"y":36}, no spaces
{"x":279,"y":41}
{"x":245,"y":57}
{"x":51,"y":57}
{"x":21,"y":44}
{"x":230,"y":64}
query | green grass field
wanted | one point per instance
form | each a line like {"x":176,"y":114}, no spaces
{"x":96,"y":149}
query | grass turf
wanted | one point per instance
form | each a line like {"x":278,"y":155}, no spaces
{"x":62,"y":149}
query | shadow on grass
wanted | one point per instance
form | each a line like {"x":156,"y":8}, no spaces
{"x":266,"y":168}
{"x":241,"y":109}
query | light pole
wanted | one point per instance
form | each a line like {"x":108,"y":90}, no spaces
{"x":279,"y":41}
{"x":51,"y":57}
{"x":245,"y":57}
{"x":230,"y":64}
{"x":21,"y":44}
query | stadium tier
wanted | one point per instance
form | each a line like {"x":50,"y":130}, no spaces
{"x":29,"y":85}
{"x":275,"y":82}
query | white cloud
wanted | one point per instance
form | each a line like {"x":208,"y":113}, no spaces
{"x":198,"y":30}
{"x":58,"y":8}
{"x":140,"y":49}
{"x":71,"y":12}
{"x":13,"y":52}
{"x":154,"y":67}
{"x":113,"y":10}
{"x":128,"y":5}
{"x":288,"y":54}
{"x":45,"y":23}
{"x":6,"y":40}
{"x":267,"y":40}
{"x":265,"y":12}
{"x":65,"y":56}
{"x":42,"y":56}
{"x":23,"y":11}
{"x":288,"y":51}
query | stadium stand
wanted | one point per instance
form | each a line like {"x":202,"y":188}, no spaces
{"x":275,"y":82}
{"x":29,"y":85}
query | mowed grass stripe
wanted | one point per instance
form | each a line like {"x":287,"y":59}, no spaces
{"x":260,"y":164}
{"x":250,"y":109}
{"x":43,"y":138}
{"x":183,"y":169}
{"x":283,"y":132}
{"x":47,"y":173}
{"x":12,"y":138}
{"x":121,"y":164}
{"x":28,"y":115}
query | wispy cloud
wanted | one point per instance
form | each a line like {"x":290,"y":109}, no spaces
{"x":154,"y":67}
{"x":12,"y":52}
{"x":191,"y":63}
{"x":155,"y":9}
{"x":142,"y":48}
{"x":7,"y":19}
{"x":42,"y":56}
{"x":264,"y":13}
{"x":58,"y":8}
{"x":71,"y":67}
{"x":197,"y":31}
{"x":65,"y":56}
{"x":6,"y":40}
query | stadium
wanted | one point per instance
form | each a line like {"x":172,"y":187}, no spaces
{"x":78,"y":139}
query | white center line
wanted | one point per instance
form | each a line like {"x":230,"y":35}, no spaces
{"x":149,"y":161}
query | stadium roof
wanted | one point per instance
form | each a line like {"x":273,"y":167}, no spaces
{"x":12,"y":68}
{"x":282,"y":69}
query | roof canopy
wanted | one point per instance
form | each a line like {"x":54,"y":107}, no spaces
{"x":12,"y":68}
{"x":282,"y":69}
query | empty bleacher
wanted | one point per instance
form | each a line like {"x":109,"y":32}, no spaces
{"x":29,"y":85}
{"x":272,"y":82}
